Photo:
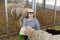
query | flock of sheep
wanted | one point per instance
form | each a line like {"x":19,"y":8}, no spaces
{"x":38,"y":34}
{"x":17,"y":10}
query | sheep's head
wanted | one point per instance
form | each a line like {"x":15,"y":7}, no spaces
{"x":24,"y":3}
{"x":19,"y":5}
{"x":26,"y":30}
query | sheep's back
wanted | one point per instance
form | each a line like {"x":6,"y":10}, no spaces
{"x":11,"y":5}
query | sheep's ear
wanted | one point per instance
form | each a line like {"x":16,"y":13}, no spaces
{"x":22,"y":31}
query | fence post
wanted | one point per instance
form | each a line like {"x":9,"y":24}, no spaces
{"x":54,"y":20}
{"x":6,"y":11}
{"x":34,"y":6}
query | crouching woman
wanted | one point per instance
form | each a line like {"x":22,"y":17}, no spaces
{"x":31,"y":21}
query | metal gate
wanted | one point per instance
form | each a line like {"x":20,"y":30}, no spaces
{"x":8,"y":23}
{"x":47,"y":13}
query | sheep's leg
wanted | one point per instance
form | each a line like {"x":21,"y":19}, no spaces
{"x":18,"y":13}
{"x":12,"y":11}
{"x":21,"y":16}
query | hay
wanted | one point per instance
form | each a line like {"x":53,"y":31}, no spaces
{"x":12,"y":22}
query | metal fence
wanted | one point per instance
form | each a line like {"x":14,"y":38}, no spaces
{"x":8,"y":23}
{"x":48,"y":15}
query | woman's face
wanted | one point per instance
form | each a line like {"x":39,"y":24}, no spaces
{"x":30,"y":15}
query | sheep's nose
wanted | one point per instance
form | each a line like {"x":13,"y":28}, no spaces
{"x":22,"y":32}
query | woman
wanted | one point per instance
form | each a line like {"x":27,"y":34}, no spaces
{"x":30,"y":20}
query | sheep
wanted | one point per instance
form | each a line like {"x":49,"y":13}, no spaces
{"x":23,"y":15}
{"x":37,"y":34}
{"x":21,"y":4}
{"x":53,"y":31}
{"x":24,"y":4}
{"x":55,"y":37}
{"x":13,"y":5}
{"x":10,"y":6}
{"x":13,"y":11}
{"x":20,"y":7}
{"x":20,"y":12}
{"x":34,"y":34}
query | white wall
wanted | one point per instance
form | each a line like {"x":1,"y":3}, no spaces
{"x":49,"y":4}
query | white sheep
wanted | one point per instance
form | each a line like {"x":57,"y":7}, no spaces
{"x":23,"y":15}
{"x":10,"y":6}
{"x":37,"y":34}
{"x":55,"y":37}
{"x":13,"y":6}
{"x":20,"y":7}
{"x":24,"y":4}
{"x":13,"y":11}
{"x":20,"y":12}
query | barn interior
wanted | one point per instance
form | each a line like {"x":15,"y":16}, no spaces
{"x":47,"y":12}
